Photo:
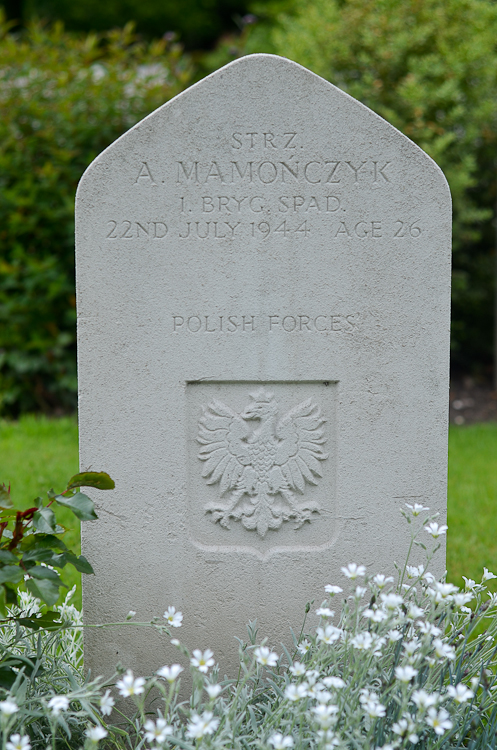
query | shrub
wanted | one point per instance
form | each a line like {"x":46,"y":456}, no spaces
{"x":406,"y":665}
{"x":63,"y":99}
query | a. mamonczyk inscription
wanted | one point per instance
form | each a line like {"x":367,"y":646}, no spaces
{"x":262,"y":469}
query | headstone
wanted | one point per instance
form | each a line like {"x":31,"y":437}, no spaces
{"x":263,"y":275}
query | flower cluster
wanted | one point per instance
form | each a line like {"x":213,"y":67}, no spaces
{"x":390,"y":664}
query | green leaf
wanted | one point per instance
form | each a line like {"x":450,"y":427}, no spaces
{"x":6,"y":556}
{"x":42,"y":572}
{"x":3,"y":601}
{"x":80,"y":563}
{"x":10,"y":595}
{"x":11,"y":573}
{"x":47,"y":591}
{"x":44,"y":520}
{"x":7,"y":677}
{"x":38,"y":554}
{"x":43,"y":541}
{"x":5,"y":501}
{"x":49,"y":621}
{"x":98,"y":479}
{"x":81,"y":505}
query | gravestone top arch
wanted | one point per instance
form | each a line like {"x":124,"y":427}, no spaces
{"x":263,"y":282}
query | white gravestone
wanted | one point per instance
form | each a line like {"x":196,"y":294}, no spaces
{"x":263,"y":274}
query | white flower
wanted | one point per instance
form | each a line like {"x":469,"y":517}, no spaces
{"x":96,"y":733}
{"x":411,"y":646}
{"x":321,"y":695}
{"x":297,"y":669}
{"x":366,"y":695}
{"x":428,"y":629}
{"x":374,"y":709}
{"x":202,"y":660}
{"x":405,"y":728}
{"x":266,"y":657}
{"x":58,"y":703}
{"x":332,"y":590}
{"x":469,"y":583}
{"x":173,"y":618}
{"x":213,"y":691}
{"x":329,"y":634}
{"x":130,"y":614}
{"x":460,"y":693}
{"x":279,"y":742}
{"x":439,"y":721}
{"x":376,"y":615}
{"x":424,"y":700}
{"x":405,"y":674}
{"x":435,"y":530}
{"x":487,"y":575}
{"x":312,"y":676}
{"x":8,"y":707}
{"x":416,"y":509}
{"x":334,"y":682}
{"x":394,"y":635}
{"x":324,"y":612}
{"x":443,"y":650}
{"x":362,"y":641}
{"x":414,"y":571}
{"x":391,"y":602}
{"x":325,"y":715}
{"x":461,"y":599}
{"x":129,"y":685}
{"x":296,"y":692}
{"x":199,"y":726}
{"x":106,"y":703}
{"x":429,"y":577}
{"x":170,"y":673}
{"x":381,"y":581}
{"x":414,"y":611}
{"x":157,"y":731}
{"x":353,"y":571}
{"x":442,"y":592}
{"x":304,"y":647}
{"x":16,"y":742}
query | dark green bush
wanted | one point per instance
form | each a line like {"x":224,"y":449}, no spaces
{"x":63,"y":99}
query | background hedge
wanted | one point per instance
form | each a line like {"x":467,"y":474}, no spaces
{"x":63,"y":98}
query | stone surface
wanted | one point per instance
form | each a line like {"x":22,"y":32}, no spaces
{"x":263,"y":273}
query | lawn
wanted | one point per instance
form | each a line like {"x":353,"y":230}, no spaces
{"x":38,"y":453}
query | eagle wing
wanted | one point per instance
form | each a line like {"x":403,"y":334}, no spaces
{"x":300,"y":451}
{"x":222,"y":434}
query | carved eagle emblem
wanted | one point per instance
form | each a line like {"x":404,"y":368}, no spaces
{"x":261,"y":468}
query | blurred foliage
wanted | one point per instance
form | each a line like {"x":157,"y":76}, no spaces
{"x":198,"y":23}
{"x":429,"y":67}
{"x":63,"y":99}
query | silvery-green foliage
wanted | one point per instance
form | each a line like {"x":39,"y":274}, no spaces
{"x":397,"y":663}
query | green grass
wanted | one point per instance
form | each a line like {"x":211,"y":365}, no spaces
{"x":39,"y":453}
{"x":35,"y":455}
{"x":472,"y":503}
